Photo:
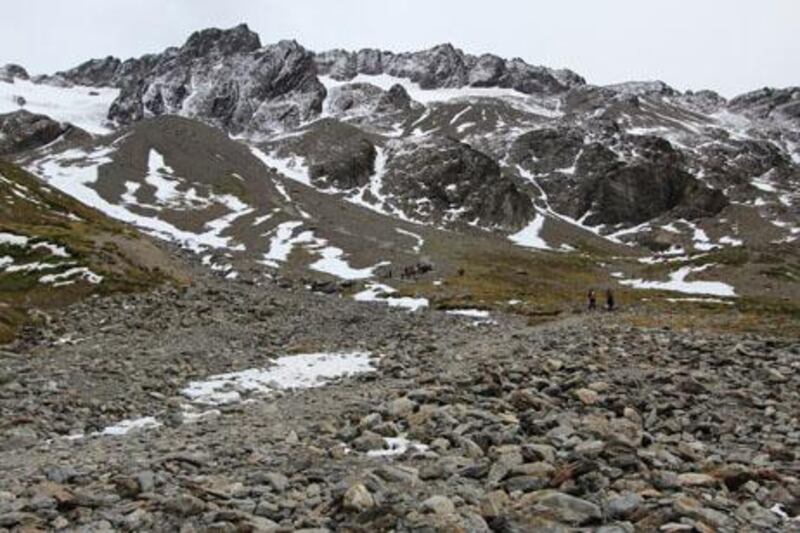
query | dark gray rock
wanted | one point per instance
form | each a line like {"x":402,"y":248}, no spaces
{"x":223,"y":77}
{"x":10,"y":72}
{"x":446,"y":66}
{"x":21,"y":131}
{"x":441,"y":180}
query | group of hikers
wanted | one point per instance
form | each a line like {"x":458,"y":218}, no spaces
{"x":592,"y":297}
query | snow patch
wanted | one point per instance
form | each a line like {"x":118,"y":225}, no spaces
{"x":677,"y":283}
{"x":74,"y":171}
{"x":288,"y":372}
{"x":293,"y":167}
{"x":397,"y":446}
{"x":85,"y":107}
{"x":332,"y":262}
{"x":529,"y":235}
{"x":282,"y":242}
{"x":420,"y":241}
{"x":378,"y":292}
{"x":70,"y":276}
{"x":13,"y":239}
{"x":430,"y":96}
{"x":126,"y":426}
{"x":474,"y":313}
{"x":700,"y":300}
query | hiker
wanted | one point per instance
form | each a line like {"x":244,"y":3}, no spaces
{"x":592,"y":300}
{"x":609,"y":300}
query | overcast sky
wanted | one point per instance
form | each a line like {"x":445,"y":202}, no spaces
{"x":731,"y":46}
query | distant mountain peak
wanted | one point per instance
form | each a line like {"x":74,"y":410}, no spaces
{"x":239,"y":39}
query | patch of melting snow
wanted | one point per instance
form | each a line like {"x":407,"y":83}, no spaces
{"x":331,"y":259}
{"x":332,"y":262}
{"x":288,"y":372}
{"x":125,"y":426}
{"x":677,"y":283}
{"x":700,"y":300}
{"x":34,"y":267}
{"x":460,"y":114}
{"x":282,"y":242}
{"x":529,"y":235}
{"x":293,"y":167}
{"x":71,"y":276}
{"x":730,"y":241}
{"x":465,"y":126}
{"x":13,"y":239}
{"x":162,"y":178}
{"x":420,"y":241}
{"x":474,"y":313}
{"x":191,"y":414}
{"x":778,"y":510}
{"x":397,"y":446}
{"x":54,"y":249}
{"x":74,"y":172}
{"x":85,"y":107}
{"x":763,"y":185}
{"x":377,"y":292}
{"x":428,"y":96}
{"x":371,"y":196}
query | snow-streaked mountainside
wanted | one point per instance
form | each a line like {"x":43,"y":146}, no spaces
{"x":349,"y":164}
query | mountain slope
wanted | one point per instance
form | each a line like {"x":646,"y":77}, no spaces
{"x":347,"y":166}
{"x":54,"y":251}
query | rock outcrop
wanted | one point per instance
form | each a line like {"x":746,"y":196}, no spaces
{"x":10,"y":72}
{"x":22,"y":130}
{"x":223,"y":77}
{"x":441,"y":180}
{"x":445,"y":66}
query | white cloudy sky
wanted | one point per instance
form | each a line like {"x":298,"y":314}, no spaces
{"x":728,"y":45}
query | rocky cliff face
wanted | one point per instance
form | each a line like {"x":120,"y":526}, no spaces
{"x":223,"y":77}
{"x":624,"y":179}
{"x":768,"y":103}
{"x":442,"y":181}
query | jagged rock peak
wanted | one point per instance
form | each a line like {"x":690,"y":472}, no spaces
{"x":769,"y":103}
{"x":239,"y":39}
{"x":95,"y":72}
{"x":445,"y":65}
{"x":644,"y":88}
{"x":225,"y":78}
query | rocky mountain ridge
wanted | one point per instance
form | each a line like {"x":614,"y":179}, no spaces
{"x":436,"y":139}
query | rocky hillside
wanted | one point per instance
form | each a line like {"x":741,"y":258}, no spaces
{"x":54,"y":251}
